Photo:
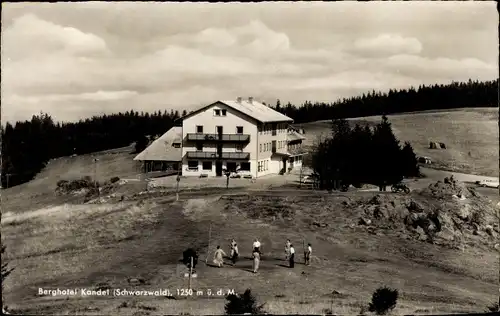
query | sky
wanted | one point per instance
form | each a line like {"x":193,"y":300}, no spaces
{"x":75,"y":60}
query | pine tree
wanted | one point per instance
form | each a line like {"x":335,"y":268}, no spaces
{"x":387,"y":154}
{"x":409,"y":161}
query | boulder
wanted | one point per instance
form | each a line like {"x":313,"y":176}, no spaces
{"x":464,"y":212}
{"x":446,"y":233}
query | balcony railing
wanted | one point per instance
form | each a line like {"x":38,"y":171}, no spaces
{"x":214,"y":155}
{"x":218,"y":137}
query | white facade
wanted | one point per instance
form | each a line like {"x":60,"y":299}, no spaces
{"x":247,"y":142}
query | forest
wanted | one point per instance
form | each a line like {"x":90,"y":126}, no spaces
{"x":469,"y":94}
{"x":27,"y":146}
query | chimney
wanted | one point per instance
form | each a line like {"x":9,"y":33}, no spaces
{"x":250,"y":100}
{"x":238,"y":99}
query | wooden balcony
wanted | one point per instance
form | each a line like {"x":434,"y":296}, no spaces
{"x":215,"y":155}
{"x":218,"y":137}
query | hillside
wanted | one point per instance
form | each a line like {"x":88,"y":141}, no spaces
{"x":462,"y":130}
{"x":40,"y":191}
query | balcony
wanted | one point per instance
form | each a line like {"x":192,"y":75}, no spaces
{"x":218,"y":137}
{"x":214,"y":155}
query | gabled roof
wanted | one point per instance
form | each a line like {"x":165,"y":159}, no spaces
{"x":162,"y":148}
{"x":293,"y":135}
{"x":255,"y":110}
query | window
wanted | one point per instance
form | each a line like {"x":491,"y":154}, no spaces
{"x":193,"y":165}
{"x":239,"y":129}
{"x":199,"y":129}
{"x":260,"y":147}
{"x":199,"y":146}
{"x":245,"y":166}
{"x":259,"y":167}
{"x":207,"y":165}
{"x":176,"y":145}
{"x":239,"y":148}
{"x":265,"y":164}
{"x":224,"y":112}
{"x":217,"y":112}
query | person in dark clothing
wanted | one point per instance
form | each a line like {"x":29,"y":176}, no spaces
{"x":186,"y":257}
{"x":292,"y":256}
{"x":234,"y":251}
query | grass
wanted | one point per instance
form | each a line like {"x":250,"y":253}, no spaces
{"x":462,"y":130}
{"x":91,"y":244}
{"x":40,"y":191}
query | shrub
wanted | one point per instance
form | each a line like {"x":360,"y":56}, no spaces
{"x":494,"y":307}
{"x":242,"y":304}
{"x":384,"y":300}
{"x":114,"y":179}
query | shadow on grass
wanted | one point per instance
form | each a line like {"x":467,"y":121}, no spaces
{"x":283,"y":265}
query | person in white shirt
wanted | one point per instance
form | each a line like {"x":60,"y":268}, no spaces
{"x":256,"y":244}
{"x":292,"y":256}
{"x":308,"y":254}
{"x":287,"y":249}
{"x":219,"y":257}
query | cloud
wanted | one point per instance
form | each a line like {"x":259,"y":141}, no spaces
{"x":441,"y":68}
{"x":185,"y":58}
{"x":386,"y":45}
{"x":94,"y":96}
{"x":29,"y":34}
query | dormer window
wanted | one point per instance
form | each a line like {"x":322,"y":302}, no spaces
{"x":176,"y":145}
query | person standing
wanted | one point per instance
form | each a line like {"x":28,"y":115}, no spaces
{"x":308,"y":255}
{"x":292,"y":256}
{"x":256,"y":259}
{"x":219,"y":257}
{"x":287,"y":249}
{"x":256,"y":244}
{"x":234,"y":251}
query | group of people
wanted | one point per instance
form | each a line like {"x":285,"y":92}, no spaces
{"x":256,"y":254}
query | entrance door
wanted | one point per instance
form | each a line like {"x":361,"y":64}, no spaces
{"x":218,"y":168}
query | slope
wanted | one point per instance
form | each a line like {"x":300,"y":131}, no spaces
{"x":470,"y":135}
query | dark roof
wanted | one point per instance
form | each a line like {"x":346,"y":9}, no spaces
{"x":162,"y":148}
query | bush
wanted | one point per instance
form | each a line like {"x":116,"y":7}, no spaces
{"x":242,"y":304}
{"x":384,"y":300}
{"x":114,"y":179}
{"x":494,"y":307}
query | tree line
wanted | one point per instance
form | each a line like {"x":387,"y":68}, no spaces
{"x":433,"y":97}
{"x":362,"y":155}
{"x":27,"y":146}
